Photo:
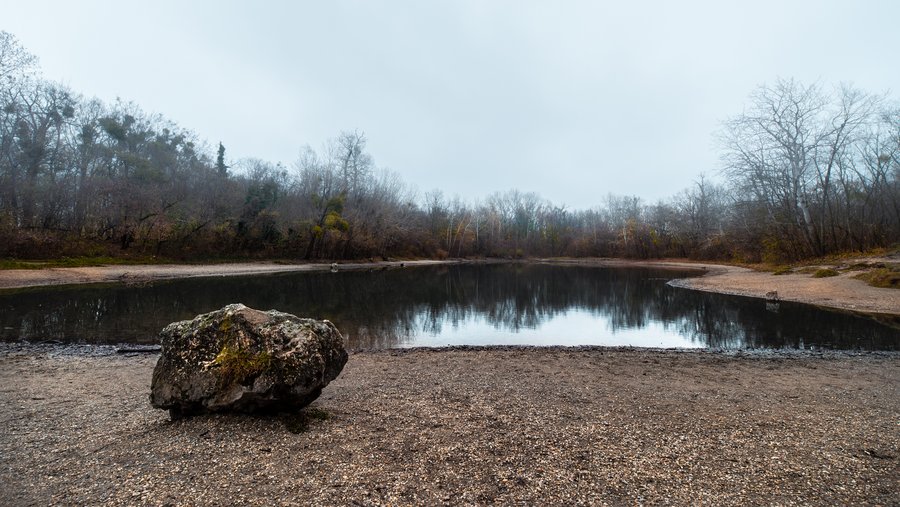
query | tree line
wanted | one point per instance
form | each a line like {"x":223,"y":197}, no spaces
{"x":807,"y":171}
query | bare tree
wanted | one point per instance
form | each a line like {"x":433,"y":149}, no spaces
{"x":794,"y":153}
{"x":770,"y":153}
{"x":809,"y":171}
{"x":15,"y":61}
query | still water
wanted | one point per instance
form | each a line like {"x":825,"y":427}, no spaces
{"x":494,"y":304}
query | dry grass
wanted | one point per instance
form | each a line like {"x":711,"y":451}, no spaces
{"x":783,"y":270}
{"x":888,"y":277}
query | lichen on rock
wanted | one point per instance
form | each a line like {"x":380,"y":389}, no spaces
{"x":242,"y":359}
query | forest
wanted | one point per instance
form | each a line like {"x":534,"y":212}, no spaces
{"x":807,"y":170}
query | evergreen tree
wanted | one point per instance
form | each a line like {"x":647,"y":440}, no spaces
{"x":220,"y":161}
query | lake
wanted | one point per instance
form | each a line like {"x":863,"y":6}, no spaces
{"x":468,"y":304}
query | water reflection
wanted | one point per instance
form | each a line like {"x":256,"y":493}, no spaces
{"x":440,"y":305}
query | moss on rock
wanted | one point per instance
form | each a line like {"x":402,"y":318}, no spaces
{"x":242,"y":359}
{"x":239,"y":366}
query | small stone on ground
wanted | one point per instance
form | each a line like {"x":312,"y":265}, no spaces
{"x":481,"y":426}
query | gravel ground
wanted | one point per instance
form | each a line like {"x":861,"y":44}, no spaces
{"x":536,"y":426}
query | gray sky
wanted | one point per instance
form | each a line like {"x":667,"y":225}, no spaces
{"x":572,"y":100}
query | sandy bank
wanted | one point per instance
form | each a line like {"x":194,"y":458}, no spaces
{"x":842,"y":291}
{"x":20,"y":278}
{"x":533,"y":426}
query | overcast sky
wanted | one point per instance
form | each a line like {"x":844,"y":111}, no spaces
{"x":573,"y":100}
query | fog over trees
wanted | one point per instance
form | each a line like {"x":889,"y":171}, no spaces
{"x":807,"y":170}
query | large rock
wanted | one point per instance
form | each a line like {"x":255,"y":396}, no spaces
{"x":242,"y":359}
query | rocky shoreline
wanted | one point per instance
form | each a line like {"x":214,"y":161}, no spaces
{"x":473,"y":425}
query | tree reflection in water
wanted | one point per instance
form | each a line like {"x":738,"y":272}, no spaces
{"x":397,"y":307}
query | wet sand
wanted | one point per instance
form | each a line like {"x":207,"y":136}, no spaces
{"x":536,"y":426}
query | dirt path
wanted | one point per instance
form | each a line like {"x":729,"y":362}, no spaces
{"x":480,"y":426}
